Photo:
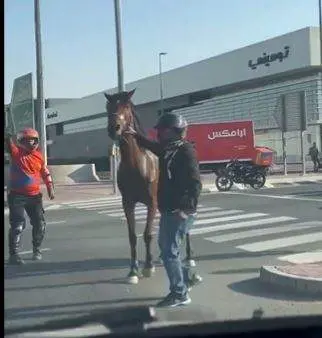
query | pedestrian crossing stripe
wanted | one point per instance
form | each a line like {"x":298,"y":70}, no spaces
{"x":261,"y":232}
{"x":102,"y":199}
{"x":282,"y":242}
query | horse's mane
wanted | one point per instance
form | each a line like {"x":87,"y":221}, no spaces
{"x":137,"y":123}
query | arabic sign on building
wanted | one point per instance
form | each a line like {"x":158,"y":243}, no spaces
{"x":51,"y":115}
{"x":267,"y":58}
{"x":21,"y":113}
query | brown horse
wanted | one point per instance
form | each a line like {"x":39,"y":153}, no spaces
{"x":137,"y":177}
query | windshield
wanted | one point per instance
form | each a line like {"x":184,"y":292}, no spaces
{"x":100,"y":215}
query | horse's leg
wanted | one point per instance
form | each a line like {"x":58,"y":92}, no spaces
{"x":149,"y":268}
{"x":133,"y":276}
{"x":189,"y":261}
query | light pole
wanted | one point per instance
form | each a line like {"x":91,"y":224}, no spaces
{"x":320,"y":24}
{"x":161,"y":85}
{"x":40,"y":84}
{"x":120,"y":82}
{"x":119,"y":49}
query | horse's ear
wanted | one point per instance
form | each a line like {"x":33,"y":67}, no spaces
{"x":108,"y":97}
{"x":130,"y":93}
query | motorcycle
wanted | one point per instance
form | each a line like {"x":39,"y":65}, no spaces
{"x":238,"y":172}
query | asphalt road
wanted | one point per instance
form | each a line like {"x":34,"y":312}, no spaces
{"x":86,"y":257}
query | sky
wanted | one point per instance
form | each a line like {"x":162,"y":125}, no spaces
{"x":79,"y":43}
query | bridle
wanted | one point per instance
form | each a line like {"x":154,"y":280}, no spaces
{"x":129,"y":123}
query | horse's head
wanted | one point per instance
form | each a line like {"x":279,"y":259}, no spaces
{"x":120,"y":115}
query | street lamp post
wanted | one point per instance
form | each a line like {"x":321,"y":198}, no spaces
{"x":121,"y":86}
{"x":40,"y":83}
{"x":161,"y":85}
{"x":119,"y":49}
{"x":320,"y":24}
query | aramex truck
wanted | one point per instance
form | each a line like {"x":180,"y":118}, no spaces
{"x":218,"y":143}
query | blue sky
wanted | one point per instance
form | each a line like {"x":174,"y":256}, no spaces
{"x":78,"y":36}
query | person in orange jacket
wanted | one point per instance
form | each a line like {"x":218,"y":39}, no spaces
{"x":27,"y":169}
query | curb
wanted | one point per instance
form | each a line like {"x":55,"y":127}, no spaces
{"x":303,"y":285}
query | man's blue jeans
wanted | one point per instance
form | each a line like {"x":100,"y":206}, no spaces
{"x":172,"y":230}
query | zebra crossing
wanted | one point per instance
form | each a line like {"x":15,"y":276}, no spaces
{"x":253,"y":232}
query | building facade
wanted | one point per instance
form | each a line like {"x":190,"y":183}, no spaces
{"x":261,"y":82}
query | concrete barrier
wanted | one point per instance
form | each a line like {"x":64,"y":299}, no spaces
{"x":74,"y":173}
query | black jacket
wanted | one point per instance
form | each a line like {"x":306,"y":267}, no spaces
{"x":179,"y":179}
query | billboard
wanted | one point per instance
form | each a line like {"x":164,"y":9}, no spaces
{"x":21,"y":111}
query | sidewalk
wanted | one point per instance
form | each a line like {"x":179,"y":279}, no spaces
{"x":305,"y":279}
{"x":280,"y":180}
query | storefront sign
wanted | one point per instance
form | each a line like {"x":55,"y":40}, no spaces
{"x":52,"y":115}
{"x":267,"y":59}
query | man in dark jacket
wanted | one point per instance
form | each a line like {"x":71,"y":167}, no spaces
{"x":178,"y":194}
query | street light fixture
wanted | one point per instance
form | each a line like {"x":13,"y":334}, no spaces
{"x":160,"y":76}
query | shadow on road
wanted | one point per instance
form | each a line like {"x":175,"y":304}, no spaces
{"x":230,"y":271}
{"x":254,"y":287}
{"x":53,"y":268}
{"x":243,"y":254}
{"x":72,"y":309}
{"x":66,"y":285}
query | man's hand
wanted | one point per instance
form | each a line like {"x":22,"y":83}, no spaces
{"x":51,"y":192}
{"x":130,"y":131}
{"x":180,"y":214}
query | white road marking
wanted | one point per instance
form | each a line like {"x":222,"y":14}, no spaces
{"x":262,"y":232}
{"x":281,"y":242}
{"x":106,"y":199}
{"x":303,"y":257}
{"x":94,"y":206}
{"x":218,"y":213}
{"x":141,"y":215}
{"x":285,"y":197}
{"x":30,"y":251}
{"x":200,"y":215}
{"x":245,"y":224}
{"x":229,"y":218}
{"x":103,"y":203}
{"x":53,"y":207}
{"x":55,"y":222}
{"x":138,"y":211}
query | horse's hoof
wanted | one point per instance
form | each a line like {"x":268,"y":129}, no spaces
{"x":133,"y":279}
{"x":148,"y":272}
{"x":191,"y":263}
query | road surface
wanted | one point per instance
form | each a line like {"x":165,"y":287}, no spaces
{"x":86,"y":256}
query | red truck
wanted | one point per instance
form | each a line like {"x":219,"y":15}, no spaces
{"x":219,"y":143}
